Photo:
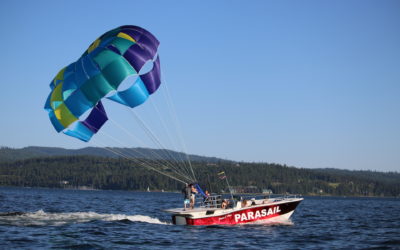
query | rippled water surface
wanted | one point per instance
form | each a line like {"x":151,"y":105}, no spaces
{"x":50,"y":218}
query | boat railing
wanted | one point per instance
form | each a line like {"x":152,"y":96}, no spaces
{"x":215,"y":201}
{"x":212,"y":201}
{"x":274,"y":198}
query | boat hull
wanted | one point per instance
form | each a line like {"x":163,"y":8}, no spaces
{"x":274,"y":212}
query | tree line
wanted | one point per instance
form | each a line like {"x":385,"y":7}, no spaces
{"x":120,"y":174}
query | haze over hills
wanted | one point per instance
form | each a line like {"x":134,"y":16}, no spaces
{"x":12,"y":154}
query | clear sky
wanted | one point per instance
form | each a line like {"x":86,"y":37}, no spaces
{"x":304,"y":83}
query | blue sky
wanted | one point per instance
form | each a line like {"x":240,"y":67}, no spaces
{"x":304,"y":83}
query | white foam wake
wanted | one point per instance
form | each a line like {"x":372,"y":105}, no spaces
{"x":41,"y":218}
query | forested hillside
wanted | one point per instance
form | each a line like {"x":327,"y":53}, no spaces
{"x":110,"y":173}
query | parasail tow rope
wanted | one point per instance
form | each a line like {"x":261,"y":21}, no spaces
{"x":142,"y":164}
{"x":173,"y":112}
{"x":161,"y":159}
{"x":171,"y":141}
{"x":143,"y":161}
{"x":155,"y":140}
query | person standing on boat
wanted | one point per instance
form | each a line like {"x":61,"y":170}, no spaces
{"x":192,"y":196}
{"x":187,"y":192}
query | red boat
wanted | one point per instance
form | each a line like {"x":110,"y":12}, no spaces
{"x":267,"y":210}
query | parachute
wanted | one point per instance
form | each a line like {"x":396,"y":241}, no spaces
{"x":120,"y":56}
{"x":75,"y":104}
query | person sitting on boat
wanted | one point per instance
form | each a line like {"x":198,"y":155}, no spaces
{"x":253,"y":201}
{"x":225,"y":204}
{"x":244,"y":203}
{"x":187,"y":195}
{"x":192,"y":195}
{"x":206,"y":198}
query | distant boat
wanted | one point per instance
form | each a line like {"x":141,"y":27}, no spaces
{"x":148,"y":189}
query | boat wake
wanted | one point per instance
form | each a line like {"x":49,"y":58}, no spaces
{"x":41,"y":218}
{"x":273,"y":222}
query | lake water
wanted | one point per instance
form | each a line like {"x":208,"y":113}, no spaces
{"x":54,"y":218}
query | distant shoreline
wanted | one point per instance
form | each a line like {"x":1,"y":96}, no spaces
{"x":178,"y":192}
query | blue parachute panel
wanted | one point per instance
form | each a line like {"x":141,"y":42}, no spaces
{"x":79,"y":131}
{"x":133,"y":96}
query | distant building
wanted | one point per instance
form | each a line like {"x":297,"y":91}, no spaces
{"x":245,"y":190}
{"x":267,"y":191}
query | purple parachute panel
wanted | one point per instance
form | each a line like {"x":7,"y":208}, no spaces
{"x":137,"y":57}
{"x":152,"y":79}
{"x":96,"y":118}
{"x":146,"y":40}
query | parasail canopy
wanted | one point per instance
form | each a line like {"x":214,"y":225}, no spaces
{"x":74,"y":103}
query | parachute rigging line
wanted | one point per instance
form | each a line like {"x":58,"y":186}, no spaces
{"x":177,"y":125}
{"x":153,"y":137}
{"x":145,"y":159}
{"x":136,"y":160}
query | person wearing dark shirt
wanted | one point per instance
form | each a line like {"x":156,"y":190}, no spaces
{"x":187,"y":192}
